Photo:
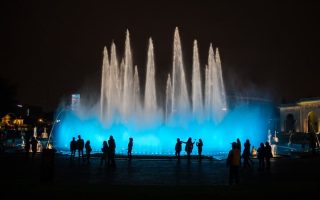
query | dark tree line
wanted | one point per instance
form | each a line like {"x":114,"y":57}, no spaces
{"x":7,"y":97}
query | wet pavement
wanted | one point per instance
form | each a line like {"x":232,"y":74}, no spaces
{"x":157,"y":177}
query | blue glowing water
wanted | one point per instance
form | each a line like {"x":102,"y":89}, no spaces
{"x":243,"y":122}
{"x":155,"y":128}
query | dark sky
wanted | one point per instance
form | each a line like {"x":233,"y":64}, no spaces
{"x":50,"y":49}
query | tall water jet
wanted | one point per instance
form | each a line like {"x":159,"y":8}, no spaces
{"x":197,"y":102}
{"x":127,"y":84}
{"x":150,"y":100}
{"x":103,"y":89}
{"x":222,"y":91}
{"x":136,"y":92}
{"x":210,"y":92}
{"x":168,"y":99}
{"x":123,"y":110}
{"x":207,"y":92}
{"x":180,"y":98}
{"x":121,"y":81}
{"x":215,"y":100}
{"x":113,"y":93}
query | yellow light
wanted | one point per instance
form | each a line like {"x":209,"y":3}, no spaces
{"x":254,"y":152}
{"x":50,"y":146}
{"x":315,"y":102}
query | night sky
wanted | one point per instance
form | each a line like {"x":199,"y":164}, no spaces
{"x":50,"y":49}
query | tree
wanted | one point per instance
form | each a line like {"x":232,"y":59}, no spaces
{"x":7,"y":97}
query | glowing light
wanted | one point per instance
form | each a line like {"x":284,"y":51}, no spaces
{"x":242,"y":122}
{"x":154,"y":128}
{"x":50,"y":146}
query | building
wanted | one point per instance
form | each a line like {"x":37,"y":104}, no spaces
{"x":75,"y":102}
{"x":302,"y":116}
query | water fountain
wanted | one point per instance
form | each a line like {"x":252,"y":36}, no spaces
{"x":125,"y":112}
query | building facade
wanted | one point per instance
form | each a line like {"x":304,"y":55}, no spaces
{"x":303,"y":116}
{"x":75,"y":102}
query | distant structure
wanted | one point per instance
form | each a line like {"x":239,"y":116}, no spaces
{"x":302,"y":116}
{"x":75,"y":101}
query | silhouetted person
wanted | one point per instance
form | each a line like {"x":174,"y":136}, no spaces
{"x":178,"y":148}
{"x":313,"y":142}
{"x":233,"y":162}
{"x":73,"y":148}
{"x":239,"y":144}
{"x":112,"y":152}
{"x":189,"y":147}
{"x":80,"y":146}
{"x":34,"y":144}
{"x":200,"y":145}
{"x":246,"y":155}
{"x":130,"y":145}
{"x":27,"y":146}
{"x":239,"y":147}
{"x":104,"y":156}
{"x":261,"y":155}
{"x":88,"y":150}
{"x":268,"y":154}
{"x":2,"y":148}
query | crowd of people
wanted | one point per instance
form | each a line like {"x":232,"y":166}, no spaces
{"x":108,"y":150}
{"x":264,"y":154}
{"x":237,"y":161}
{"x":109,"y":147}
{"x":233,"y":161}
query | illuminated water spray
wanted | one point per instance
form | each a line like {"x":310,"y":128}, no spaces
{"x":125,"y":112}
{"x":197,"y":102}
{"x":180,"y":97}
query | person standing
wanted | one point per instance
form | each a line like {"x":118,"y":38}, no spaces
{"x":80,"y":146}
{"x":104,"y":149}
{"x":88,"y":150}
{"x":268,"y":154}
{"x":73,"y":148}
{"x":246,"y":155}
{"x":178,"y":148}
{"x":200,"y":145}
{"x":112,"y":151}
{"x":261,"y":155}
{"x":130,"y":145}
{"x":27,"y":146}
{"x":34,"y":144}
{"x":233,"y":162}
{"x":189,"y":147}
{"x":239,"y":147}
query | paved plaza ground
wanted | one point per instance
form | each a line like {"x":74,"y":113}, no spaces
{"x":156,"y":178}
